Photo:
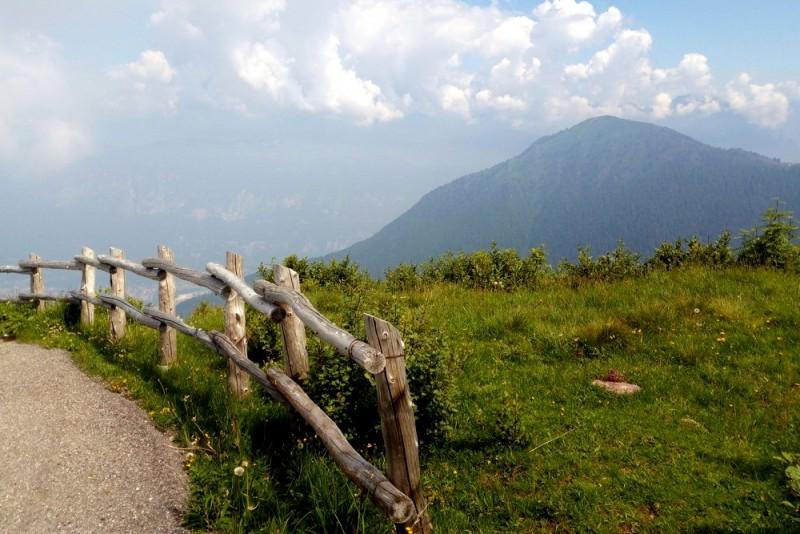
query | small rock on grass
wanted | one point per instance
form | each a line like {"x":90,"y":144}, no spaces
{"x":620,"y":388}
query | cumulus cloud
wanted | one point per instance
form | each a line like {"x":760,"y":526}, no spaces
{"x":455,"y":100}
{"x":379,"y":60}
{"x":264,"y":69}
{"x":567,"y":23}
{"x":152,"y":65}
{"x":343,"y":91}
{"x":764,"y":105}
{"x":366,"y":62}
{"x":144,"y":85}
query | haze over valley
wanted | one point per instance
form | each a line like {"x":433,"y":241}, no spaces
{"x":212,"y":129}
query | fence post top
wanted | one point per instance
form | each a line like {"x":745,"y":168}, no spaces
{"x":381,"y":333}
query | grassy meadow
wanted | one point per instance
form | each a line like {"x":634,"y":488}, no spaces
{"x":515,"y":438}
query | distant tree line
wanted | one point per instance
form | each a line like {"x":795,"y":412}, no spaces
{"x":770,"y":244}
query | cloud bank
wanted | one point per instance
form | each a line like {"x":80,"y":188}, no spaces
{"x":369,"y":62}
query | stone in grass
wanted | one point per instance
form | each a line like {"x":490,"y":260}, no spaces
{"x":620,"y":388}
{"x":615,"y":382}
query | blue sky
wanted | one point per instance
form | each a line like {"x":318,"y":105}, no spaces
{"x":735,"y":35}
{"x":301,"y":126}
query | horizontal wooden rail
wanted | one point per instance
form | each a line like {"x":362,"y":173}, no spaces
{"x":88,"y":298}
{"x":14,"y":269}
{"x":218,"y":343}
{"x":185,"y":273}
{"x":274,"y":301}
{"x":393,"y":502}
{"x":344,"y":342}
{"x":130,"y":310}
{"x":128,"y":265}
{"x":64,"y":297}
{"x":93,"y":262}
{"x":276,"y":313}
{"x":71,"y":265}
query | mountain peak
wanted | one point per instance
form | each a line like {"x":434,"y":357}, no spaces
{"x":609,"y":124}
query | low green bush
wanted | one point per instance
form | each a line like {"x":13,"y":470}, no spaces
{"x":495,"y":269}
{"x":680,"y":253}
{"x":343,"y":273}
{"x":616,"y":265}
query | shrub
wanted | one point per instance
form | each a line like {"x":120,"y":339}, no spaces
{"x":347,"y":393}
{"x":343,"y":273}
{"x":343,"y":390}
{"x":506,"y":423}
{"x":404,"y":277}
{"x":616,"y":265}
{"x":534,"y":268}
{"x":493,"y":269}
{"x":673,"y":255}
{"x":263,"y":337}
{"x":430,"y":377}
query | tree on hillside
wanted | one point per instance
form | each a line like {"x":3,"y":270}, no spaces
{"x":772,"y":244}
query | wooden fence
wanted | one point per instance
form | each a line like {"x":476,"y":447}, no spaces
{"x":399,"y":496}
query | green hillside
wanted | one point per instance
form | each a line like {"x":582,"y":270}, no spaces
{"x":600,"y":181}
{"x":514,"y":437}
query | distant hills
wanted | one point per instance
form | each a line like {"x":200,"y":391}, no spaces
{"x":602,"y":180}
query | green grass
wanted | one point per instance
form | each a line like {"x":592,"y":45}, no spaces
{"x":533,"y":446}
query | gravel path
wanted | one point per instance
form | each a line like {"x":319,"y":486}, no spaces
{"x":75,"y":457}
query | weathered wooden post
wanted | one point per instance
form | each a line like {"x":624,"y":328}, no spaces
{"x":166,"y":304}
{"x":295,"y":355}
{"x":87,"y":287}
{"x":238,"y":380}
{"x":116,"y":316}
{"x":37,"y":282}
{"x":397,"y":419}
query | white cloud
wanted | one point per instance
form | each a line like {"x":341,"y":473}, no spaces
{"x":628,"y":50}
{"x":662,"y":106}
{"x":791,"y":89}
{"x":503,"y":102}
{"x":343,"y":91}
{"x":380,"y":60}
{"x":512,"y":35}
{"x":569,"y":23}
{"x":763,"y":105}
{"x":144,"y":85}
{"x":41,"y":125}
{"x":152,"y":65}
{"x":455,"y":100}
{"x":60,"y":142}
{"x":705,"y":105}
{"x":366,"y":61}
{"x":264,"y":70}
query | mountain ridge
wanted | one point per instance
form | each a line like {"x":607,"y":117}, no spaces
{"x":600,"y":181}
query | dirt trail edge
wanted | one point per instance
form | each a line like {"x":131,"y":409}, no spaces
{"x":75,"y":457}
